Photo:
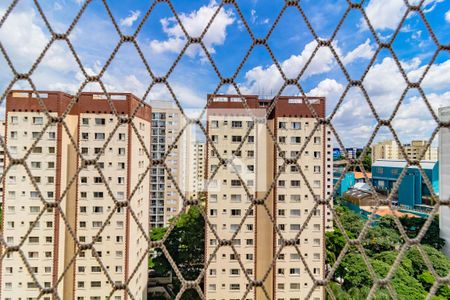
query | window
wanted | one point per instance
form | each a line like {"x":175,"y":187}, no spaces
{"x":100,"y":121}
{"x":294,"y":271}
{"x":235,"y":212}
{"x":282,"y":139}
{"x":295,"y":183}
{"x":37,"y":150}
{"x":84,"y":136}
{"x":235,"y":271}
{"x":235,"y":198}
{"x":294,"y":227}
{"x":85,"y":121}
{"x":250,"y":154}
{"x":99,"y":136}
{"x":35,"y":164}
{"x":236,"y":124}
{"x":295,"y":140}
{"x":295,"y":198}
{"x":236,"y":138}
{"x":96,"y":284}
{"x":317,"y":169}
{"x":295,"y":125}
{"x":281,"y":125}
{"x":234,"y":286}
{"x":214,"y":124}
{"x":38,"y":120}
{"x":295,"y":212}
{"x":235,"y":182}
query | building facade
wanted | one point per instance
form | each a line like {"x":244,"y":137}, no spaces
{"x":412,"y":190}
{"x":257,"y":163}
{"x":165,"y":200}
{"x":196,"y":167}
{"x":390,"y":150}
{"x":2,"y":155}
{"x":90,"y":167}
{"x":444,"y":186}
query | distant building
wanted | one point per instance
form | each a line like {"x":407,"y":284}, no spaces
{"x":348,"y":180}
{"x":444,"y":189}
{"x":196,"y":165}
{"x":165,"y":200}
{"x":336,"y":153}
{"x":351,"y":152}
{"x":389,"y":149}
{"x":413,"y":190}
{"x":359,"y":177}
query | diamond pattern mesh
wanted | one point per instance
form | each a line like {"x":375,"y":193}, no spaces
{"x":295,"y":81}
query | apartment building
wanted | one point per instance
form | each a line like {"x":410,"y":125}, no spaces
{"x":2,"y":156}
{"x":196,"y":167}
{"x":389,"y":149}
{"x":165,"y":199}
{"x":444,"y":182}
{"x":93,"y":205}
{"x":258,"y":162}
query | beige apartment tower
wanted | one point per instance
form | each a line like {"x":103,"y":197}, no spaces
{"x":94,"y":205}
{"x":235,"y":194}
{"x":389,"y":149}
{"x":165,"y":200}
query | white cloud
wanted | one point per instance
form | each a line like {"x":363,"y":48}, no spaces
{"x":194,"y":23}
{"x":329,"y":88}
{"x":128,"y":21}
{"x":57,"y":6}
{"x":365,"y":51}
{"x":253,"y":16}
{"x":386,"y":14}
{"x":447,"y":16}
{"x":268,"y":79}
{"x":24,"y":40}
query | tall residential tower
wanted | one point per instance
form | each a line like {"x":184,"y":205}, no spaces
{"x":93,"y":167}
{"x":258,"y":175}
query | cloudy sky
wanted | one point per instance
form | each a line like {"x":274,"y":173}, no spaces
{"x":24,"y":35}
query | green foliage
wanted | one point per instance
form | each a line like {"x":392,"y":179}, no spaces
{"x":411,"y":280}
{"x":186,"y":245}
{"x":413,"y":225}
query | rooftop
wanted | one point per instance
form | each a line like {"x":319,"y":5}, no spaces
{"x":393,"y":163}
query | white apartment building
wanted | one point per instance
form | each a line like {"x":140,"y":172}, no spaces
{"x":196,"y":167}
{"x":165,"y":200}
{"x":444,"y":178}
{"x":289,"y":202}
{"x":93,"y":205}
{"x":389,"y":149}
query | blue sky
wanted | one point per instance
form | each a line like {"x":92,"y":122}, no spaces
{"x":24,"y":35}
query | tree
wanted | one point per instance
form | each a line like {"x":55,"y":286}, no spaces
{"x":431,"y":237}
{"x":186,"y":245}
